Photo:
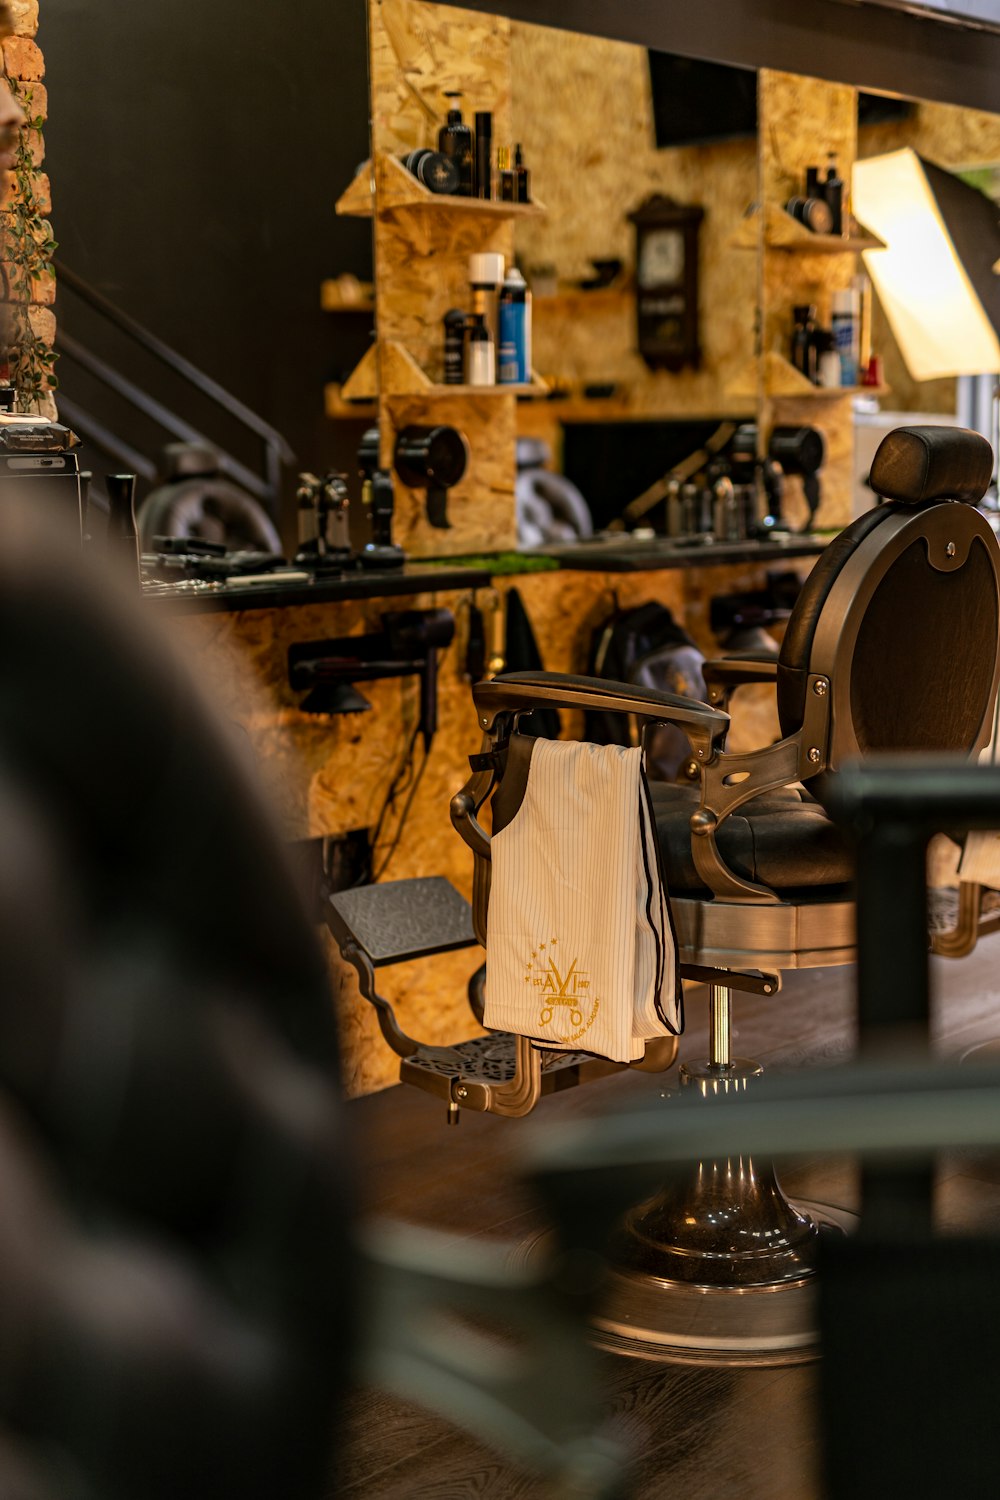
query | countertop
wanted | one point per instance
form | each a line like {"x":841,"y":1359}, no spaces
{"x":617,"y":554}
{"x":621,"y":554}
{"x":277,"y":593}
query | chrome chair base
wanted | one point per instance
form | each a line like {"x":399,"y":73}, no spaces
{"x":754,"y":1323}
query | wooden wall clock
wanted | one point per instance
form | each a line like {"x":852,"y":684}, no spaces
{"x":666,"y":275}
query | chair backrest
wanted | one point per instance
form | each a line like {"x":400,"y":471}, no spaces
{"x":902,"y":612}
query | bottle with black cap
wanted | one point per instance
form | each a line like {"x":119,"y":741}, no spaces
{"x":833,"y":192}
{"x":455,"y":141}
{"x":484,"y":154}
{"x":522,"y":178}
{"x":122,"y":540}
{"x":480,"y":353}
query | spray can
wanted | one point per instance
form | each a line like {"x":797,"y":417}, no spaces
{"x":515,"y":330}
{"x":846,"y":333}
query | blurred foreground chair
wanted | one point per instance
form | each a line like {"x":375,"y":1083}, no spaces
{"x":176,"y":1282}
{"x":893,"y":645}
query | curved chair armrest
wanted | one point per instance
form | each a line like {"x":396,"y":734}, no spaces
{"x":734,"y":671}
{"x":723,"y":675}
{"x":519,"y":692}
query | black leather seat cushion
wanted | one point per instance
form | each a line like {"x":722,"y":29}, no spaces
{"x":782,"y":839}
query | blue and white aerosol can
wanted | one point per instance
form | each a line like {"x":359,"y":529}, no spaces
{"x":515,"y":331}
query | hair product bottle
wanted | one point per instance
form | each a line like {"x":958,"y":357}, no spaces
{"x":515,"y":330}
{"x":484,"y":154}
{"x":454,"y":346}
{"x":455,"y":141}
{"x":480,"y":356}
{"x":846,"y":332}
{"x":833,"y":192}
{"x":522,"y":178}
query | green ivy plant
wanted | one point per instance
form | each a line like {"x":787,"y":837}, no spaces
{"x":27,"y":250}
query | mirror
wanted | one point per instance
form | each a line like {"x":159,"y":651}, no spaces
{"x":608,"y":132}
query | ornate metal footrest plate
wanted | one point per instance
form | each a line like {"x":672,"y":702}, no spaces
{"x":402,"y":919}
{"x":492,"y":1060}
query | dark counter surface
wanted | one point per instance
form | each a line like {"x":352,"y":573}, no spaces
{"x":621,"y":554}
{"x":280,"y":593}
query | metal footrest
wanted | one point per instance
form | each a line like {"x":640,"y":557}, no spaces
{"x":492,"y":1061}
{"x":377,"y":925}
{"x":402,"y":919}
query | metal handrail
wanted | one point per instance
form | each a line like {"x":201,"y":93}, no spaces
{"x":276,"y":448}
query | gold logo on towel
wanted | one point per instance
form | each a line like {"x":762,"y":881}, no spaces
{"x":564,"y":993}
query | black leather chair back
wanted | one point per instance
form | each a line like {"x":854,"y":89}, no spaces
{"x":902,"y":612}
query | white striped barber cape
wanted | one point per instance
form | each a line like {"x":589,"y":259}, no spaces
{"x":580,"y":954}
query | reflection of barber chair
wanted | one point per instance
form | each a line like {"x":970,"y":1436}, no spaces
{"x":550,"y":508}
{"x":892,"y":645}
{"x":196,"y":501}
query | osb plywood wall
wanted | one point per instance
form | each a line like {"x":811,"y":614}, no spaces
{"x":801,"y":120}
{"x":582,"y":108}
{"x":326,"y":775}
{"x":956,"y":139}
{"x":418,"y":52}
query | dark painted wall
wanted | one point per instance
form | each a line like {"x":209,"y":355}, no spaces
{"x":835,"y":39}
{"x":196,"y":150}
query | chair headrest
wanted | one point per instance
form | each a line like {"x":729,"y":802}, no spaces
{"x":918,"y":464}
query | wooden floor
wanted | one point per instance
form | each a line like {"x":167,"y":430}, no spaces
{"x":696,"y":1432}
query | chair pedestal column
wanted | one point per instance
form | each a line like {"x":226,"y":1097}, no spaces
{"x":717,"y":1269}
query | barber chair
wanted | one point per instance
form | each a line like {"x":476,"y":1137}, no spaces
{"x":893,"y":645}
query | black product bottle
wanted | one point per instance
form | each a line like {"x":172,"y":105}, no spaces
{"x":522,"y":178}
{"x":455,"y":141}
{"x":813,"y":187}
{"x":833,"y":192}
{"x":454,"y":346}
{"x":123,"y":543}
{"x":804,"y":355}
{"x":484,"y":154}
{"x":505,"y":174}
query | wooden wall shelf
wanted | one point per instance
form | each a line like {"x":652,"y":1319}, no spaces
{"x":340,"y":410}
{"x":782,"y":232}
{"x":783,"y":382}
{"x":402,"y":376}
{"x":401,"y":192}
{"x":354,"y":297}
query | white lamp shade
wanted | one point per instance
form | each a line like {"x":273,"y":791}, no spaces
{"x":936,"y":314}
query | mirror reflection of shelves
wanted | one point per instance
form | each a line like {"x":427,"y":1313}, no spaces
{"x":390,"y":369}
{"x":340,"y":409}
{"x":578,"y":299}
{"x":782,"y":381}
{"x":782,"y":232}
{"x":399,"y":191}
{"x":346,"y":294}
